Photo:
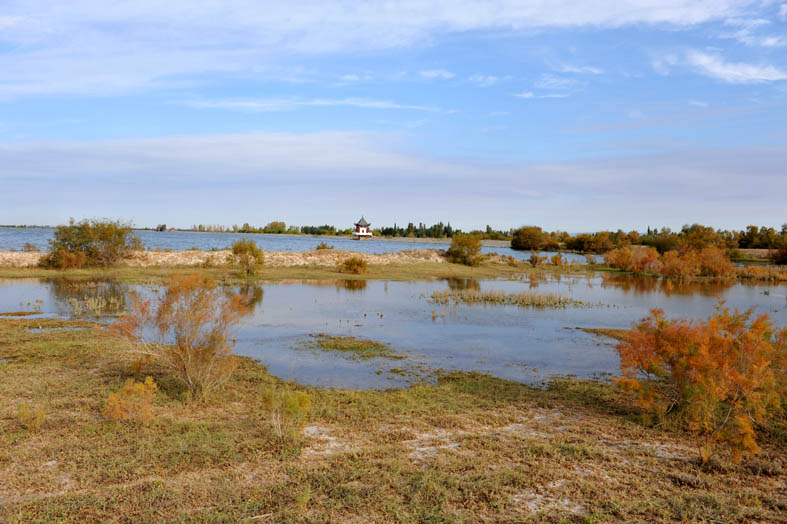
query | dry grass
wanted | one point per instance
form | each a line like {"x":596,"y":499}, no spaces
{"x":469,"y":448}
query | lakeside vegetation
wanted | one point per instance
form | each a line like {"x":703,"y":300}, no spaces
{"x":523,"y":299}
{"x":466,"y":448}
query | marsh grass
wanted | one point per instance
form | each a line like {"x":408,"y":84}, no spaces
{"x":500,"y":298}
{"x":468,"y":448}
{"x":352,"y":347}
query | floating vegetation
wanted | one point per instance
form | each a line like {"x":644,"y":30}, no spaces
{"x":352,"y":347}
{"x":617,"y":334}
{"x":500,"y":298}
{"x":18,"y":313}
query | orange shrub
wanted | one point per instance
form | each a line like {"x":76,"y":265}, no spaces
{"x":132,"y":402}
{"x":355,"y":265}
{"x":715,"y":263}
{"x":722,"y":377}
{"x":636,"y":260}
{"x":185,"y":331}
{"x":557,"y":260}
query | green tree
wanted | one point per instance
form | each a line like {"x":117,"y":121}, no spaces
{"x":248,"y":256}
{"x":527,"y":238}
{"x":465,"y":249}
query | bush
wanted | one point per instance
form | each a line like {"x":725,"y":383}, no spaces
{"x":90,"y":243}
{"x":132,"y":402}
{"x":355,"y":265}
{"x":465,"y":249}
{"x":30,"y":418}
{"x":323,"y":245}
{"x":557,"y":260}
{"x":185,"y":331}
{"x":248,"y":256}
{"x":779,"y":256}
{"x":715,"y":263}
{"x":30,"y":248}
{"x":286,"y":411}
{"x":636,"y":260}
{"x":528,"y":237}
{"x":721,"y":378}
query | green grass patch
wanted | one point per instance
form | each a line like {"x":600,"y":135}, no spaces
{"x":499,"y":298}
{"x":353,"y":347}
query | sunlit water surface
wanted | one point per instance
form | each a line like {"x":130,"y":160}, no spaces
{"x":526,"y":345}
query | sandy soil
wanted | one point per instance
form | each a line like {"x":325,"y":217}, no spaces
{"x":326,"y":257}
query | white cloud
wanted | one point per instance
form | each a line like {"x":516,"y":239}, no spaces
{"x":663,"y":65}
{"x":349,"y":78}
{"x":486,"y":80}
{"x":783,"y":11}
{"x":210,"y":178}
{"x":698,"y":103}
{"x":714,"y":66}
{"x":437,"y":73}
{"x":266,"y":105}
{"x":97,"y":47}
{"x":547,"y":81}
{"x":747,"y":29}
{"x":530,"y":94}
{"x":579,"y":69}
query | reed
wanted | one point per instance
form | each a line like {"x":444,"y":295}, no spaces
{"x":523,"y":299}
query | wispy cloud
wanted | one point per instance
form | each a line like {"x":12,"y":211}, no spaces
{"x":579,"y":69}
{"x":783,"y":11}
{"x":530,"y":94}
{"x":548,"y":81}
{"x":698,"y":103}
{"x":438,"y":73}
{"x":487,"y":80}
{"x":715,"y":66}
{"x":91,"y":48}
{"x":747,"y":31}
{"x":263,"y":105}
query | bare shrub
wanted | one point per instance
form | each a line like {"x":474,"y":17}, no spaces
{"x":185,"y":331}
{"x":132,"y":402}
{"x":248,"y":256}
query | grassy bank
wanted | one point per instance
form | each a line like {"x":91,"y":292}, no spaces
{"x":469,"y":448}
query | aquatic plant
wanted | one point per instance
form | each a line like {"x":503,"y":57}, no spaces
{"x":523,"y":299}
{"x":355,"y":348}
{"x":721,"y":378}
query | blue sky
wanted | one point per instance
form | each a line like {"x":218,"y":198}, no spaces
{"x":569,"y":114}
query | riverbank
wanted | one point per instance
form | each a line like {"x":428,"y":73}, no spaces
{"x":467,"y":448}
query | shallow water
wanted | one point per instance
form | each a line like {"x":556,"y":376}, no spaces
{"x":16,"y":238}
{"x":520,"y":344}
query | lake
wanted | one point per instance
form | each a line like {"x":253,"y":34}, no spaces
{"x":16,"y":238}
{"x":525,"y":345}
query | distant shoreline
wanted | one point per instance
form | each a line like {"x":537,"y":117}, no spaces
{"x":411,"y":240}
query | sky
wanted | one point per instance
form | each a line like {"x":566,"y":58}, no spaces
{"x":568,"y":114}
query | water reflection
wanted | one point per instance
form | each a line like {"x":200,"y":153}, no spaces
{"x":461,"y":284}
{"x":351,"y":285}
{"x":649,"y":285}
{"x":508,"y":342}
{"x":88,"y":298}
